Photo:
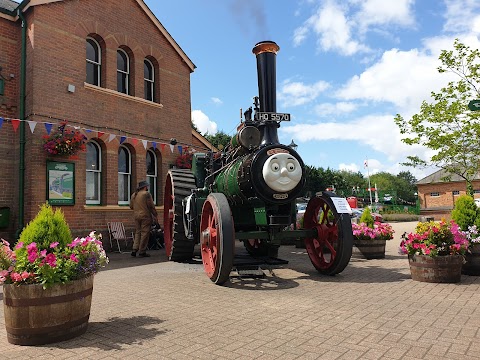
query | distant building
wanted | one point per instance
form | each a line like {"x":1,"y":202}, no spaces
{"x":437,"y":196}
{"x":116,"y":75}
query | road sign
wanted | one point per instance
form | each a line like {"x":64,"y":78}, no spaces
{"x":474,"y":105}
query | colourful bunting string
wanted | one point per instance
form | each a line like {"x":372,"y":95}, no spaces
{"x":154,"y":144}
{"x":144,"y":142}
{"x":122,"y":139}
{"x":180,"y":149}
{"x":134,"y":141}
{"x":172,"y":147}
{"x":100,"y":134}
{"x":1,"y":122}
{"x":111,"y":137}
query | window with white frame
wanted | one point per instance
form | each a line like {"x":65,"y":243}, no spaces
{"x":149,"y":80}
{"x":456,"y":192}
{"x":434,"y":194}
{"x":152,"y":173}
{"x":123,"y":72}
{"x":124,"y":175}
{"x":94,"y":173}
{"x":94,"y":62}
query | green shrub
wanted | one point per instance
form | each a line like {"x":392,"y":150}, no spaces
{"x":46,"y":228}
{"x":367,"y":218}
{"x":465,"y":212}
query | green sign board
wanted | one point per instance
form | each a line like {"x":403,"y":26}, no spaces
{"x":474,"y":105}
{"x":60,"y":183}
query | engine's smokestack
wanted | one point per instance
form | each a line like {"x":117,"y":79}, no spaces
{"x":266,"y":53}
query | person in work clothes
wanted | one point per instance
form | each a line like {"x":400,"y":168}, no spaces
{"x":144,"y":212}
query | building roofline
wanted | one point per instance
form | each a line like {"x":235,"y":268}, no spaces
{"x":204,"y":141}
{"x":26,"y":4}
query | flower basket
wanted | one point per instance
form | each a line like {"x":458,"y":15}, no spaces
{"x":369,"y":243}
{"x":435,"y":251}
{"x":439,"y":269}
{"x":472,"y":256}
{"x":36,"y":316}
{"x":64,"y":141}
{"x":48,"y":280}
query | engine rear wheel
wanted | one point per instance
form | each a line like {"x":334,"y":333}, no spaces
{"x":178,"y":186}
{"x":330,"y":251}
{"x":217,"y":236}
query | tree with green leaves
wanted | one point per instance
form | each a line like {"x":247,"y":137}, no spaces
{"x":220,"y":138}
{"x":446,"y":125}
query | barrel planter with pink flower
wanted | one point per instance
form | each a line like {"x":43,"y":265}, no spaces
{"x":370,"y":242}
{"x":439,"y":269}
{"x":36,"y":316}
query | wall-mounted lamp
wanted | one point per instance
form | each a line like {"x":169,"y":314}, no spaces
{"x":173,"y":141}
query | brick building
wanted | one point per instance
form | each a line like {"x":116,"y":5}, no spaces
{"x":114,"y":73}
{"x":437,"y":196}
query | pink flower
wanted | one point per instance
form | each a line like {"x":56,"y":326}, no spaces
{"x":25,"y":275}
{"x":32,"y":256}
{"x":19,"y":245}
{"x":43,"y":253}
{"x":16,"y":276}
{"x":32,"y":246}
{"x":73,"y":257}
{"x":53,"y":245}
{"x":51,"y":260}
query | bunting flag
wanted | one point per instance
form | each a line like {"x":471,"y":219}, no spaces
{"x":144,"y":142}
{"x":88,"y":131}
{"x":122,"y":139}
{"x":134,"y":141}
{"x":154,"y":144}
{"x":15,"y":123}
{"x":100,"y":134}
{"x":1,"y":122}
{"x":180,"y":149}
{"x":111,"y":137}
{"x":172,"y":147}
{"x":48,"y":127}
{"x":32,"y":125}
{"x":162,"y":147}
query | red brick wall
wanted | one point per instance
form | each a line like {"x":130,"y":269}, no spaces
{"x":55,"y":59}
{"x":9,"y":106}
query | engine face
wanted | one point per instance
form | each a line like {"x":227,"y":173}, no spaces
{"x":282,"y":172}
{"x":277,"y":174}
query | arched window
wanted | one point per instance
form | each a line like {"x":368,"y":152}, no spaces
{"x":123,"y":72}
{"x":149,"y":80}
{"x":152,"y":173}
{"x":94,"y":173}
{"x":124,"y":175}
{"x":94,"y":62}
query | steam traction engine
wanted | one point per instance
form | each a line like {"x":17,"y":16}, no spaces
{"x":247,"y":192}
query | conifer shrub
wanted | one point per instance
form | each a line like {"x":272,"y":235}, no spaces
{"x":465,"y":212}
{"x":46,"y":228}
{"x":367,"y":218}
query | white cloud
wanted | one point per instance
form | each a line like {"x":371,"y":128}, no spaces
{"x":327,"y":109}
{"x":203,"y":123}
{"x":349,"y":167}
{"x":461,"y":15}
{"x":381,"y":12}
{"x":216,"y":101}
{"x":378,"y":132}
{"x":298,"y":93}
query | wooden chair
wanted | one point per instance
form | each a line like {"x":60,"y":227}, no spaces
{"x":116,"y":232}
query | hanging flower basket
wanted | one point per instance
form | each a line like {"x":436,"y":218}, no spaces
{"x":184,"y":161}
{"x":64,"y":141}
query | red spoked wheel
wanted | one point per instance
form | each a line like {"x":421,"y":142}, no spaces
{"x":217,"y":236}
{"x":330,"y":251}
{"x":177,"y":186}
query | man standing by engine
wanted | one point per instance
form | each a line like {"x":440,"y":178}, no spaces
{"x":144,"y":212}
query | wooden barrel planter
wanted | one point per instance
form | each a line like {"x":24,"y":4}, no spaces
{"x":472,"y":261}
{"x":34,"y":316}
{"x":439,"y":269}
{"x":369,"y":249}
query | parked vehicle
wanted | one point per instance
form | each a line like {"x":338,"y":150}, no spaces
{"x":357,"y":214}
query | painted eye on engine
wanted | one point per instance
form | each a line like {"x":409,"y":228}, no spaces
{"x":290,"y":167}
{"x":275,"y":167}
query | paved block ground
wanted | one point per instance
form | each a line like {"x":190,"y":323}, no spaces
{"x":154,"y":309}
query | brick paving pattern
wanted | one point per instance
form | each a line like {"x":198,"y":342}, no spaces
{"x":155,"y":309}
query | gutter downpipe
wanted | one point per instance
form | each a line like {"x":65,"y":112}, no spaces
{"x":21,"y":166}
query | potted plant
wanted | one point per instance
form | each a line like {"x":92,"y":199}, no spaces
{"x":370,"y":236}
{"x":435,"y":251}
{"x":64,"y":141}
{"x":472,"y":256}
{"x":48,"y":280}
{"x":184,"y":161}
{"x":371,"y":240}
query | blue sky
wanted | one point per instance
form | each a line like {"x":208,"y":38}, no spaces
{"x":344,"y":69}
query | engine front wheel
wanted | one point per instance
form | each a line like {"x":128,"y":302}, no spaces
{"x":217,"y":236}
{"x":330,"y":251}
